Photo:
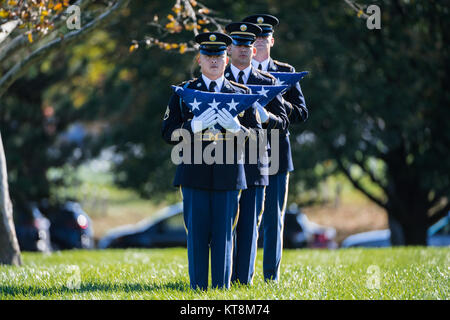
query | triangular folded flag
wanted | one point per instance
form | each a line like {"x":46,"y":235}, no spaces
{"x":288,"y":78}
{"x":266,"y":92}
{"x":198,"y":101}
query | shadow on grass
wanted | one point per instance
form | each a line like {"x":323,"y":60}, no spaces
{"x":29,"y":291}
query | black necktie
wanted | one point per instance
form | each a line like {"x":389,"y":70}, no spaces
{"x":212,"y":85}
{"x":260,"y":67}
{"x":241,"y":77}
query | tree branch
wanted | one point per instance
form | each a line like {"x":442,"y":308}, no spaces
{"x":358,"y":185}
{"x":19,"y":68}
{"x":7,"y":28}
{"x":439,"y":214}
{"x":21,"y":40}
{"x":439,"y":195}
{"x":358,"y":8}
{"x":367,"y":171}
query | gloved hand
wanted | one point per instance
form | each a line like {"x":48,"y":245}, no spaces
{"x":207,"y":119}
{"x":227,"y":121}
{"x":263,"y":114}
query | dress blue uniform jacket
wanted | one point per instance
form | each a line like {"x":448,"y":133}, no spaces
{"x":295,"y":106}
{"x":277,"y":120}
{"x":294,"y":100}
{"x":206,"y":176}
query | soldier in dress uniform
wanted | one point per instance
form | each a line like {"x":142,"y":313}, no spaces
{"x":294,"y":100}
{"x":273,"y":116}
{"x":210,"y":191}
{"x":277,"y":190}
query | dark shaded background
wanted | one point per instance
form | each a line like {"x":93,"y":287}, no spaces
{"x":378,"y":104}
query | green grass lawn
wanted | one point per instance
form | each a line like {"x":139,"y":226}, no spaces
{"x":393,"y":273}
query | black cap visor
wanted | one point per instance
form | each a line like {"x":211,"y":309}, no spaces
{"x":213,"y":49}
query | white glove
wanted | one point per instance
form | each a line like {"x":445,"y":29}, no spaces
{"x":263,"y":114}
{"x":207,"y":119}
{"x":227,"y":121}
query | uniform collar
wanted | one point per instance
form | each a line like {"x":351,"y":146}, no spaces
{"x":236,"y":71}
{"x":227,"y":86}
{"x":264,"y":64}
{"x":218,"y":81}
{"x":254,"y":76}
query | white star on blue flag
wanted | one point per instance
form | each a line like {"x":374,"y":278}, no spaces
{"x":288,"y":78}
{"x":232,"y":105}
{"x":214,"y":104}
{"x":198,"y":101}
{"x":267,"y":93}
{"x":195,"y":104}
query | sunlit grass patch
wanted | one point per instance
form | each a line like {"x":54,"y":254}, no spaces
{"x":391,"y":273}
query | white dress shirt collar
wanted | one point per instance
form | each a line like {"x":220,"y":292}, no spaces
{"x":219,"y":82}
{"x":264,"y":64}
{"x":236,"y":71}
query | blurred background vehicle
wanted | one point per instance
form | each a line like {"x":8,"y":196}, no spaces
{"x":168,"y":230}
{"x":164,"y":230}
{"x":59,"y":113}
{"x":437,"y":235}
{"x":32,"y":228}
{"x":300,"y":232}
{"x":70,"y":225}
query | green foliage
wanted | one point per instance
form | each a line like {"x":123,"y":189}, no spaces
{"x":378,"y":100}
{"x":354,"y":274}
{"x":30,"y":129}
{"x":132,"y":100}
{"x":375,"y":96}
{"x":34,"y":16}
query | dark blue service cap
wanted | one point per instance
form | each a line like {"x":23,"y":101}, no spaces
{"x":213,"y":43}
{"x":265,"y":21}
{"x":243,"y":33}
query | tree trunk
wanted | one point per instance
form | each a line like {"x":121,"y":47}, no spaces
{"x":408,"y":203}
{"x":409,"y":228}
{"x":9,"y":246}
{"x":397,"y":234}
{"x":415,"y":230}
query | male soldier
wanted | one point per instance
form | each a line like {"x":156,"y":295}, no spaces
{"x":294,"y":100}
{"x":277,"y":190}
{"x":210,"y":191}
{"x":272,"y":117}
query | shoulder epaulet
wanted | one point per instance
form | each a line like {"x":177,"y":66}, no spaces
{"x":283,"y":64}
{"x":182,"y":84}
{"x":267,"y":74}
{"x":240,"y":85}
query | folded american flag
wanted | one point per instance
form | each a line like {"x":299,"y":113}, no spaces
{"x":288,"y":78}
{"x":267,"y":93}
{"x":198,"y":101}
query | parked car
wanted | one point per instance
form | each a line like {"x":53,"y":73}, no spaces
{"x":165,"y":230}
{"x":300,"y":232}
{"x":70,"y":226}
{"x":168,"y":230}
{"x":32,"y":228}
{"x":437,"y":235}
